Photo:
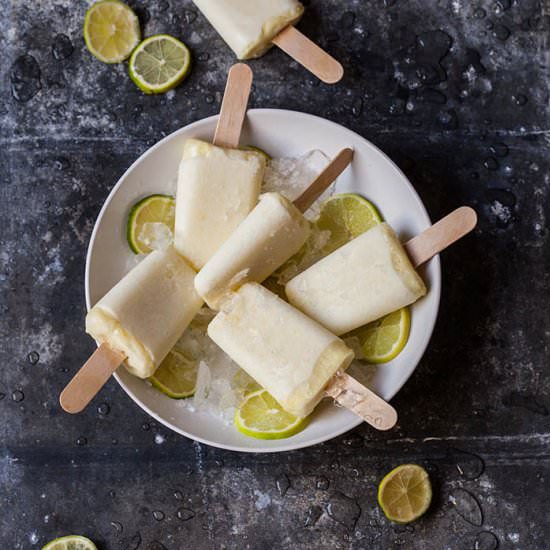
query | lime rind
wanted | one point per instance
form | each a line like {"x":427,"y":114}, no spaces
{"x":156,"y":55}
{"x":132,"y":30}
{"x":132,"y":227}
{"x":401,"y":477}
{"x":70,"y":542}
{"x":174,"y":362}
{"x":262,"y":401}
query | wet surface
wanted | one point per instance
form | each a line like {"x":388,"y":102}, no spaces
{"x":457,"y":94}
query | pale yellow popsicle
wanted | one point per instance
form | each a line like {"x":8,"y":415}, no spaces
{"x":359,"y":282}
{"x":286,"y":352}
{"x":217,"y":188}
{"x":146,"y":312}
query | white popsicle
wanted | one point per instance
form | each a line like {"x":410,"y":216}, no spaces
{"x":290,"y":355}
{"x":217,"y":188}
{"x":358,"y":283}
{"x":146,"y":312}
{"x":249,"y":27}
{"x":270,"y":234}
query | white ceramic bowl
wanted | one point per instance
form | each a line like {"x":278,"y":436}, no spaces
{"x":282,"y":133}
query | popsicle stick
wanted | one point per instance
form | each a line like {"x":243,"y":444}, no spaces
{"x":309,"y":54}
{"x":324,"y":179}
{"x":92,"y":376}
{"x":234,"y":104}
{"x":441,"y":235}
{"x":357,"y":398}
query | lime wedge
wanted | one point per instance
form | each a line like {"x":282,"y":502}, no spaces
{"x":71,"y":542}
{"x":260,"y":416}
{"x":383,"y":340}
{"x":346,"y":216}
{"x":159,"y":64}
{"x":405,"y":493}
{"x":151,"y":209}
{"x":111,"y":31}
{"x":176,"y":376}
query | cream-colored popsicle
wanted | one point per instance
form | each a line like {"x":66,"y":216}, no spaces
{"x":248,"y":27}
{"x":289,"y":354}
{"x":270,"y":234}
{"x":146,"y":312}
{"x":360,"y":282}
{"x":217,"y":188}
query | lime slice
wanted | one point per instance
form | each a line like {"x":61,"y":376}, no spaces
{"x":151,"y":209}
{"x":260,"y":416}
{"x":383,"y":340}
{"x":258,"y":150}
{"x":346,"y":216}
{"x":71,"y":542}
{"x":405,"y":493}
{"x":111,"y":31}
{"x":159,"y":64}
{"x":176,"y":376}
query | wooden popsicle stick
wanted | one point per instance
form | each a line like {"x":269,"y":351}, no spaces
{"x":357,"y":398}
{"x":234,"y":104}
{"x":91,"y":377}
{"x":309,"y":55}
{"x":324,"y":179}
{"x":441,"y":235}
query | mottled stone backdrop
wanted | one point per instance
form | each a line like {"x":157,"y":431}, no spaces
{"x":457,"y":93}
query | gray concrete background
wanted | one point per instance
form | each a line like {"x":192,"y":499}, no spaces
{"x":457,"y":94}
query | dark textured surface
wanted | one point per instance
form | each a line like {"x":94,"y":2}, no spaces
{"x":457,"y":93}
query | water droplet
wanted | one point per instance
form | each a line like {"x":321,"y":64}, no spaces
{"x":163,"y":5}
{"x":81,"y":441}
{"x":114,"y":441}
{"x":283,"y":483}
{"x":508,"y":170}
{"x":104,"y":409}
{"x":134,"y":543}
{"x":313,"y":515}
{"x":178,"y":495}
{"x":112,"y":494}
{"x":501,"y":32}
{"x":204,"y":56}
{"x":322,"y":483}
{"x":25,"y":78}
{"x":17,"y":396}
{"x":469,"y":465}
{"x":62,"y":47}
{"x":489,"y":25}
{"x":520,"y":99}
{"x":2,"y":395}
{"x":117,"y":526}
{"x":502,"y":5}
{"x":209,"y":98}
{"x":61,"y":163}
{"x":189,"y":16}
{"x":357,"y":107}
{"x":343,"y":509}
{"x":175,"y":20}
{"x":491,"y":163}
{"x":467,"y":506}
{"x":185,"y":514}
{"x":354,"y":441}
{"x":448,"y":119}
{"x":480,"y":13}
{"x":397,"y":107}
{"x":485,"y":541}
{"x":499,"y":149}
{"x":146,"y":426}
{"x":334,"y":465}
{"x":158,"y":515}
{"x":33,"y":357}
{"x":156,"y":545}
{"x":347,"y":20}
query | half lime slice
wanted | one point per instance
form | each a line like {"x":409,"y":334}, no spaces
{"x":159,"y":64}
{"x":70,"y":542}
{"x":176,"y":376}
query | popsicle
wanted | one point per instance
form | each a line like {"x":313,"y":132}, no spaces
{"x":373,"y":274}
{"x":137,"y":322}
{"x":218,"y":185}
{"x":273,"y":232}
{"x":251,"y":28}
{"x":293,"y":357}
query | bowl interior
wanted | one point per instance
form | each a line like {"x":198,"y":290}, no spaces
{"x":281,"y":133}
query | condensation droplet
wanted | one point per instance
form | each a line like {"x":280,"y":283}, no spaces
{"x":81,"y":441}
{"x":25,"y":78}
{"x":158,"y":515}
{"x":33,"y":357}
{"x":104,"y":409}
{"x":185,"y":514}
{"x":117,"y":526}
{"x":313,"y":515}
{"x":467,"y":506}
{"x":17,"y":396}
{"x":62,"y":47}
{"x":485,"y":541}
{"x":283,"y":484}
